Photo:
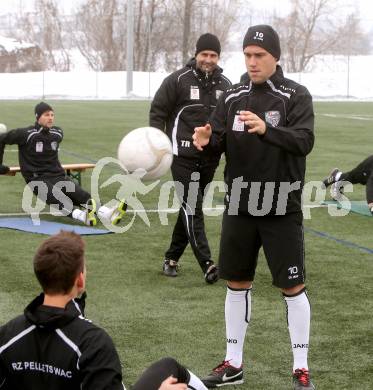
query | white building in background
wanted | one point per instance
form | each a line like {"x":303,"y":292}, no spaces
{"x":17,"y":56}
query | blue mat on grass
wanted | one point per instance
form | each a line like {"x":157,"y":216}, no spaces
{"x":356,"y":206}
{"x":47,"y":227}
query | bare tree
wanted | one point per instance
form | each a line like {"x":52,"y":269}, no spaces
{"x":311,"y":29}
{"x":100,"y":34}
{"x":165,"y":30}
{"x":138,"y":34}
{"x":355,"y":41}
{"x":145,"y":19}
{"x":188,"y":4}
{"x":46,"y":28}
{"x":197,"y":17}
{"x":147,"y":63}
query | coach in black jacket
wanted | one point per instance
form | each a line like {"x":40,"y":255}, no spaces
{"x":185,"y":100}
{"x":266,"y":126}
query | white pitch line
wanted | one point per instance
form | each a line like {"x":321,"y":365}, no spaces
{"x":150,"y":211}
{"x":357,"y":117}
{"x":22,"y":214}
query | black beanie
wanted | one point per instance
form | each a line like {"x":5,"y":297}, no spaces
{"x":264,"y":36}
{"x":208,"y":42}
{"x":41,"y":108}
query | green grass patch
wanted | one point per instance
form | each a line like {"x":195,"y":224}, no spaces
{"x":150,"y":316}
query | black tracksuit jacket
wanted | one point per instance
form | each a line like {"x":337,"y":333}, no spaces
{"x":49,"y":348}
{"x":279,"y":156}
{"x":185,"y":100}
{"x":37,"y":150}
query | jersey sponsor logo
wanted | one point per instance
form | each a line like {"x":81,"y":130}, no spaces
{"x":54,"y":145}
{"x":238,"y":125}
{"x":39,"y":147}
{"x":273,"y":117}
{"x":194,"y":92}
{"x":46,"y":368}
{"x":218,"y":93}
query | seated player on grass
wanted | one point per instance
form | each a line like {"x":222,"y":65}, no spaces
{"x":40,"y":167}
{"x":361,"y":174}
{"x":53,"y":346}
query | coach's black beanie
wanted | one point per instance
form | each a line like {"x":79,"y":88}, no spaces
{"x":264,"y":36}
{"x":208,"y":42}
{"x":41,"y":108}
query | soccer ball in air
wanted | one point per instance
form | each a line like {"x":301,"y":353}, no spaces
{"x":148,"y":149}
{"x":2,"y":128}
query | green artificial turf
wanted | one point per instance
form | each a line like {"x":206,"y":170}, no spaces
{"x":150,"y":316}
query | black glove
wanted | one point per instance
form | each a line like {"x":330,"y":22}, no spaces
{"x":3,"y":169}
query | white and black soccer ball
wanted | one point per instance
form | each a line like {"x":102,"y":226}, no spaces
{"x":3,"y":128}
{"x":146,"y":148}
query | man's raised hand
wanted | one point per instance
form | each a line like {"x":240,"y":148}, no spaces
{"x":201,"y":136}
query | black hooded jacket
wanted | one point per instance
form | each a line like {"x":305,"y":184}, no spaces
{"x":185,"y":100}
{"x":37,"y":150}
{"x":53,"y":348}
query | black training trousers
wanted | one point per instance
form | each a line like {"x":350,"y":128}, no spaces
{"x":362,"y":174}
{"x":191,"y":178}
{"x":153,"y":376}
{"x":54,"y":190}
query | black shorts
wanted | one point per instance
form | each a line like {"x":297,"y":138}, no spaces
{"x":283,"y":244}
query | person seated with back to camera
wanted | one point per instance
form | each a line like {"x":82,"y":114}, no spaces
{"x":53,"y":346}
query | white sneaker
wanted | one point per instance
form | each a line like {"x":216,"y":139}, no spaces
{"x":336,"y":190}
{"x":118,"y":213}
{"x":90,"y":213}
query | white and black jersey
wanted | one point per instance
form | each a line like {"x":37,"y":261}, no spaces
{"x":185,"y":100}
{"x":51,"y":348}
{"x":262,"y":163}
{"x":37,"y":149}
